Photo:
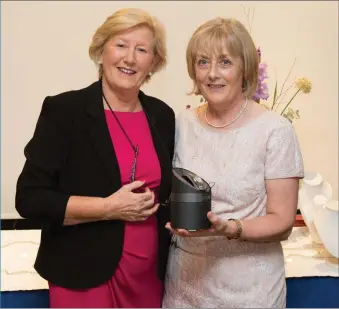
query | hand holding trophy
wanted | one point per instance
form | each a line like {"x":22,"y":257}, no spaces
{"x":191,"y":214}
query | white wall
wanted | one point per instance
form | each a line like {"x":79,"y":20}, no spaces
{"x":45,"y":51}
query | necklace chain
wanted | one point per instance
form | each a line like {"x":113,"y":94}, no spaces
{"x":229,"y":123}
{"x":135,"y":148}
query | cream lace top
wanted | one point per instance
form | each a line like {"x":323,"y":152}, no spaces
{"x":214,"y":271}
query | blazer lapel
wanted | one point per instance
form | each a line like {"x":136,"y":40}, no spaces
{"x":163,"y":155}
{"x":99,"y":133}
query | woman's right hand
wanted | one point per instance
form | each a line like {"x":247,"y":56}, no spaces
{"x":127,"y":205}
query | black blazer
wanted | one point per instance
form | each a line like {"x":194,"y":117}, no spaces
{"x":71,"y":153}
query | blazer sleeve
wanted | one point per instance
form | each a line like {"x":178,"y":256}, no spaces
{"x":37,"y":196}
{"x":172,"y":134}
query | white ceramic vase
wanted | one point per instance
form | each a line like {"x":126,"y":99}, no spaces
{"x":313,"y":194}
{"x":326,"y":222}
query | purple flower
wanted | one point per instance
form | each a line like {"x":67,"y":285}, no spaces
{"x":262,"y":90}
{"x":262,"y":71}
{"x":261,"y":93}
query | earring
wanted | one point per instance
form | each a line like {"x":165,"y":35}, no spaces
{"x":100,"y":61}
{"x":244,"y":84}
{"x":149,"y":74}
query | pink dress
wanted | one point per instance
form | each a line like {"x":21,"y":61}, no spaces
{"x":135,"y":283}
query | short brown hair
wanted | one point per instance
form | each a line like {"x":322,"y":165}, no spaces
{"x":216,"y":34}
{"x":125,"y":19}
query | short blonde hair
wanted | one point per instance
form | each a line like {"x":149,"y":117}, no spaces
{"x":125,"y":19}
{"x":216,"y":34}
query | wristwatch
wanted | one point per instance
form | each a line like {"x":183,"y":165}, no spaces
{"x":239,"y":228}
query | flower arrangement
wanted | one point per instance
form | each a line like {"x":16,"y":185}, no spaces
{"x":278,"y":103}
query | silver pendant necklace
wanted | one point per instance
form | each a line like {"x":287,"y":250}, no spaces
{"x":229,"y":123}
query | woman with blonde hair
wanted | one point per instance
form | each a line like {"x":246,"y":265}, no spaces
{"x":97,"y":171}
{"x":252,"y":157}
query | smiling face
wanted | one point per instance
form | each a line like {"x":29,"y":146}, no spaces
{"x":128,"y":57}
{"x":219,"y":77}
{"x":222,"y":61}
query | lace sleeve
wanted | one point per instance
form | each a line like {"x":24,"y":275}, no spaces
{"x":283,"y":154}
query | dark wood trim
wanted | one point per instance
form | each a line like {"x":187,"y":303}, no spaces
{"x":299,"y":221}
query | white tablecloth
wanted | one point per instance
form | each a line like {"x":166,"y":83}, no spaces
{"x":305,"y":259}
{"x":19,"y":250}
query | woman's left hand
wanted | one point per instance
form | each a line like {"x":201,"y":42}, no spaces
{"x":220,"y":227}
